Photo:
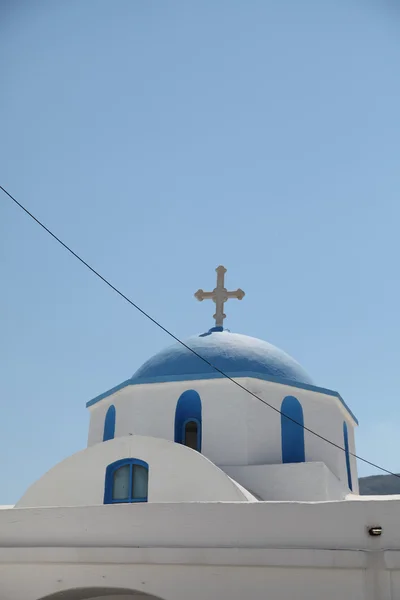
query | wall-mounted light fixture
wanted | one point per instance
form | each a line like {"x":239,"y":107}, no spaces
{"x":375,"y":531}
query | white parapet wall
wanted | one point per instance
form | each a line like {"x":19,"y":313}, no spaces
{"x":226,"y":551}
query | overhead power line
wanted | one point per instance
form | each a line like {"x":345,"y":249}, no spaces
{"x":153,"y":320}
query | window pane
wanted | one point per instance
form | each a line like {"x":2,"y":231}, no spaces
{"x":121,"y":483}
{"x":139,"y":482}
{"x":191,"y":435}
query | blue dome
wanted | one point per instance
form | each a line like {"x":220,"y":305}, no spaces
{"x":233,"y":353}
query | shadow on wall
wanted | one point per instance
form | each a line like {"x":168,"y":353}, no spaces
{"x":94,"y":593}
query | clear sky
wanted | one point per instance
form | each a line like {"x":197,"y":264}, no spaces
{"x":161,"y":139}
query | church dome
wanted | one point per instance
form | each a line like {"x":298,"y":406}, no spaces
{"x":235,"y":354}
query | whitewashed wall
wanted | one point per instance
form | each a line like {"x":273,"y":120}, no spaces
{"x":231,"y":551}
{"x":176,"y":474}
{"x":237,"y":428}
{"x":172,"y":582}
{"x":302,"y":482}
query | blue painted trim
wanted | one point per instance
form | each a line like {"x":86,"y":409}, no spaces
{"x":347,"y":453}
{"x":109,"y":392}
{"x":213,"y":330}
{"x":192,"y":420}
{"x":292,"y":432}
{"x":216,"y":375}
{"x":109,"y":424}
{"x":108,"y":485}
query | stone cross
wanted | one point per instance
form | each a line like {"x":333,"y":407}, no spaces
{"x":219,"y":295}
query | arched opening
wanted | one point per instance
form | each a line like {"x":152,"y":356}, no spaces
{"x":188,"y":423}
{"x":96,"y":593}
{"x":126,"y":481}
{"x":191,"y":434}
{"x":109,"y":424}
{"x":347,"y":453}
{"x":292,"y":431}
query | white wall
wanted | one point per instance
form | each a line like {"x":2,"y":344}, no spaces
{"x":323,"y":414}
{"x":334,"y":525}
{"x":176,"y":474}
{"x":172,"y":582}
{"x":237,"y":428}
{"x":228,"y":551}
{"x":301,"y":482}
{"x":150,"y":410}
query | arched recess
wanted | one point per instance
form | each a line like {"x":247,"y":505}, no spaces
{"x":292,"y":431}
{"x":188,"y":420}
{"x":109,"y":424}
{"x":347,"y":453}
{"x":91,"y":593}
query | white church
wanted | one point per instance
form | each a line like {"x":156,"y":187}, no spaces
{"x":218,"y":471}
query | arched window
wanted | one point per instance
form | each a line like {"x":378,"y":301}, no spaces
{"x":126,"y":481}
{"x":188,"y":429}
{"x":292,"y":431}
{"x":109,"y":424}
{"x":347,"y":453}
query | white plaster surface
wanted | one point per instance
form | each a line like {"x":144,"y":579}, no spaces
{"x":317,"y":525}
{"x":274,"y":550}
{"x":300,"y":482}
{"x":176,"y":474}
{"x":238,"y":429}
{"x":177,"y":583}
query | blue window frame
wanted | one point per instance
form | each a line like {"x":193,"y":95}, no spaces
{"x":188,"y":422}
{"x":347,"y":453}
{"x":292,"y":431}
{"x":126,"y":481}
{"x":109,"y":424}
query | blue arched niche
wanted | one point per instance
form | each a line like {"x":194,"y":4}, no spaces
{"x":188,"y":425}
{"x":347,"y":453}
{"x":109,"y":424}
{"x":292,"y":431}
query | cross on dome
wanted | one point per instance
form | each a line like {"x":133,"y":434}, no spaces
{"x":219,"y":295}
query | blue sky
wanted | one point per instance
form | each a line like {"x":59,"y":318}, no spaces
{"x":160,"y":139}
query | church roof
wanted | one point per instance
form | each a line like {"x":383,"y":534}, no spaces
{"x":233,"y":353}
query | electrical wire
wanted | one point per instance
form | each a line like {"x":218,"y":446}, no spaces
{"x":153,"y":320}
